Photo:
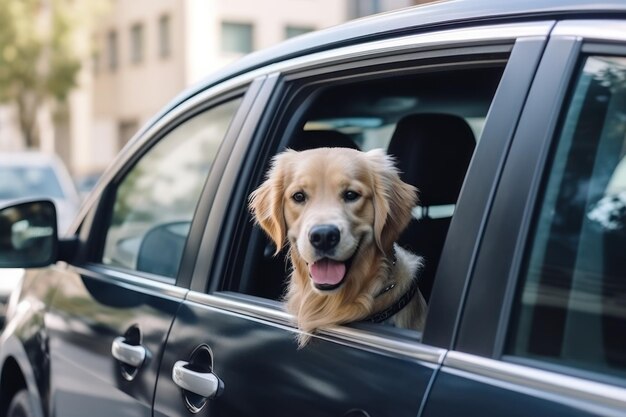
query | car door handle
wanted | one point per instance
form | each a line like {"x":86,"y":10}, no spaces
{"x":204,"y":384}
{"x":132,"y":355}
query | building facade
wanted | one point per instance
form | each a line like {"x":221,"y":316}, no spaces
{"x":140,"y":54}
{"x":147,"y":51}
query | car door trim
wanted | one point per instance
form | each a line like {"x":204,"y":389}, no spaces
{"x":602,"y":30}
{"x":211,"y":183}
{"x":574,"y":391}
{"x":357,"y":337}
{"x":466,"y":230}
{"x":417,"y":42}
{"x":124,"y":279}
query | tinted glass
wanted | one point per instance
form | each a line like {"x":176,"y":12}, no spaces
{"x":571,"y":309}
{"x":136,"y":45}
{"x":236,"y":38}
{"x":155,"y":202}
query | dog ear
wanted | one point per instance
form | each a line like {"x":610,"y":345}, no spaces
{"x":266,"y":203}
{"x":393,"y":200}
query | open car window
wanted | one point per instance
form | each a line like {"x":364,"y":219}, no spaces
{"x":429,"y":121}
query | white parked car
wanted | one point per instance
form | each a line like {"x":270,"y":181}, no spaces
{"x":35,"y":175}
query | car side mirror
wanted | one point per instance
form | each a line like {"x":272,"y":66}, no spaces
{"x":28,"y":235}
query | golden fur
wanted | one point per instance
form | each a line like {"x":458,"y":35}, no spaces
{"x":368,"y":226}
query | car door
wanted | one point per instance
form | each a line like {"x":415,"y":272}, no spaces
{"x":232,"y":349}
{"x":110,"y":314}
{"x":542,"y":332}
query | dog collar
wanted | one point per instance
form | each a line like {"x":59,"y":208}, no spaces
{"x":386,"y":289}
{"x":393,"y":283}
{"x":395,"y":307}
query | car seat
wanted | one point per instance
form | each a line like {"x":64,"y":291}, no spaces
{"x":311,"y":139}
{"x":432,"y":152}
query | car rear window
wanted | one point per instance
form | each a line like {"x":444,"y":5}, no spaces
{"x":27,"y":182}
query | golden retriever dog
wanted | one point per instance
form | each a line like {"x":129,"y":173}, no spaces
{"x":341,"y":211}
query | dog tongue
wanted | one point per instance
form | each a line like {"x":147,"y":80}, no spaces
{"x":327,"y":271}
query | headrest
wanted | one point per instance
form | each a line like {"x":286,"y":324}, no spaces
{"x":311,"y":139}
{"x":433,"y":152}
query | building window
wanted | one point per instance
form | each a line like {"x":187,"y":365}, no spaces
{"x":112,"y":49}
{"x":136,"y":43}
{"x":96,"y":55}
{"x":236,"y":38}
{"x":95,"y":62}
{"x":292,"y":31}
{"x":164,"y":36}
{"x":125,"y":130}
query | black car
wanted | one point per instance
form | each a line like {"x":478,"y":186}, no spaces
{"x":164,"y":300}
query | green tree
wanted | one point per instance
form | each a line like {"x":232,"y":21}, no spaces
{"x":37,"y":59}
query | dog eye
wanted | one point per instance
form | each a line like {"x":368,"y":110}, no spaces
{"x":299,"y":197}
{"x":351,"y":196}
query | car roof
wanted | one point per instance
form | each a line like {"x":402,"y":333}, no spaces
{"x":437,"y":15}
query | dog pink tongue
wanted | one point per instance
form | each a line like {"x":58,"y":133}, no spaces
{"x":327,"y":271}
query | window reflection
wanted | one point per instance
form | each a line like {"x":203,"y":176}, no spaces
{"x":155,"y":202}
{"x":572,"y":308}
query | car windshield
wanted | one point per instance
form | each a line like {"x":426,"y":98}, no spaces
{"x":26,"y":182}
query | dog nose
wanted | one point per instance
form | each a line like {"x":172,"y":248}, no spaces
{"x":324,"y":236}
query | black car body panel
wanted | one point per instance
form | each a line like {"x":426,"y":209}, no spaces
{"x":490,"y":397}
{"x":453,"y":278}
{"x":88,"y":311}
{"x":264,"y":373}
{"x":543,"y":103}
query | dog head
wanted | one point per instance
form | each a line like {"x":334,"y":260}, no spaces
{"x":331,"y":205}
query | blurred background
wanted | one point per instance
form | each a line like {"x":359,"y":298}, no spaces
{"x":79,"y":77}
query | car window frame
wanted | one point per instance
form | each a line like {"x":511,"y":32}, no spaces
{"x":485,"y":327}
{"x":253,"y":155}
{"x":92,"y":233}
{"x":303,"y":87}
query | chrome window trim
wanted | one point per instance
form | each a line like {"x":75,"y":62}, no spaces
{"x":546,"y":383}
{"x":423,"y":41}
{"x":613,"y":30}
{"x":127,"y":280}
{"x":406,"y":348}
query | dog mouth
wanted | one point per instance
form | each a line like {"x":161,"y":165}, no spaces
{"x":329,"y":274}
